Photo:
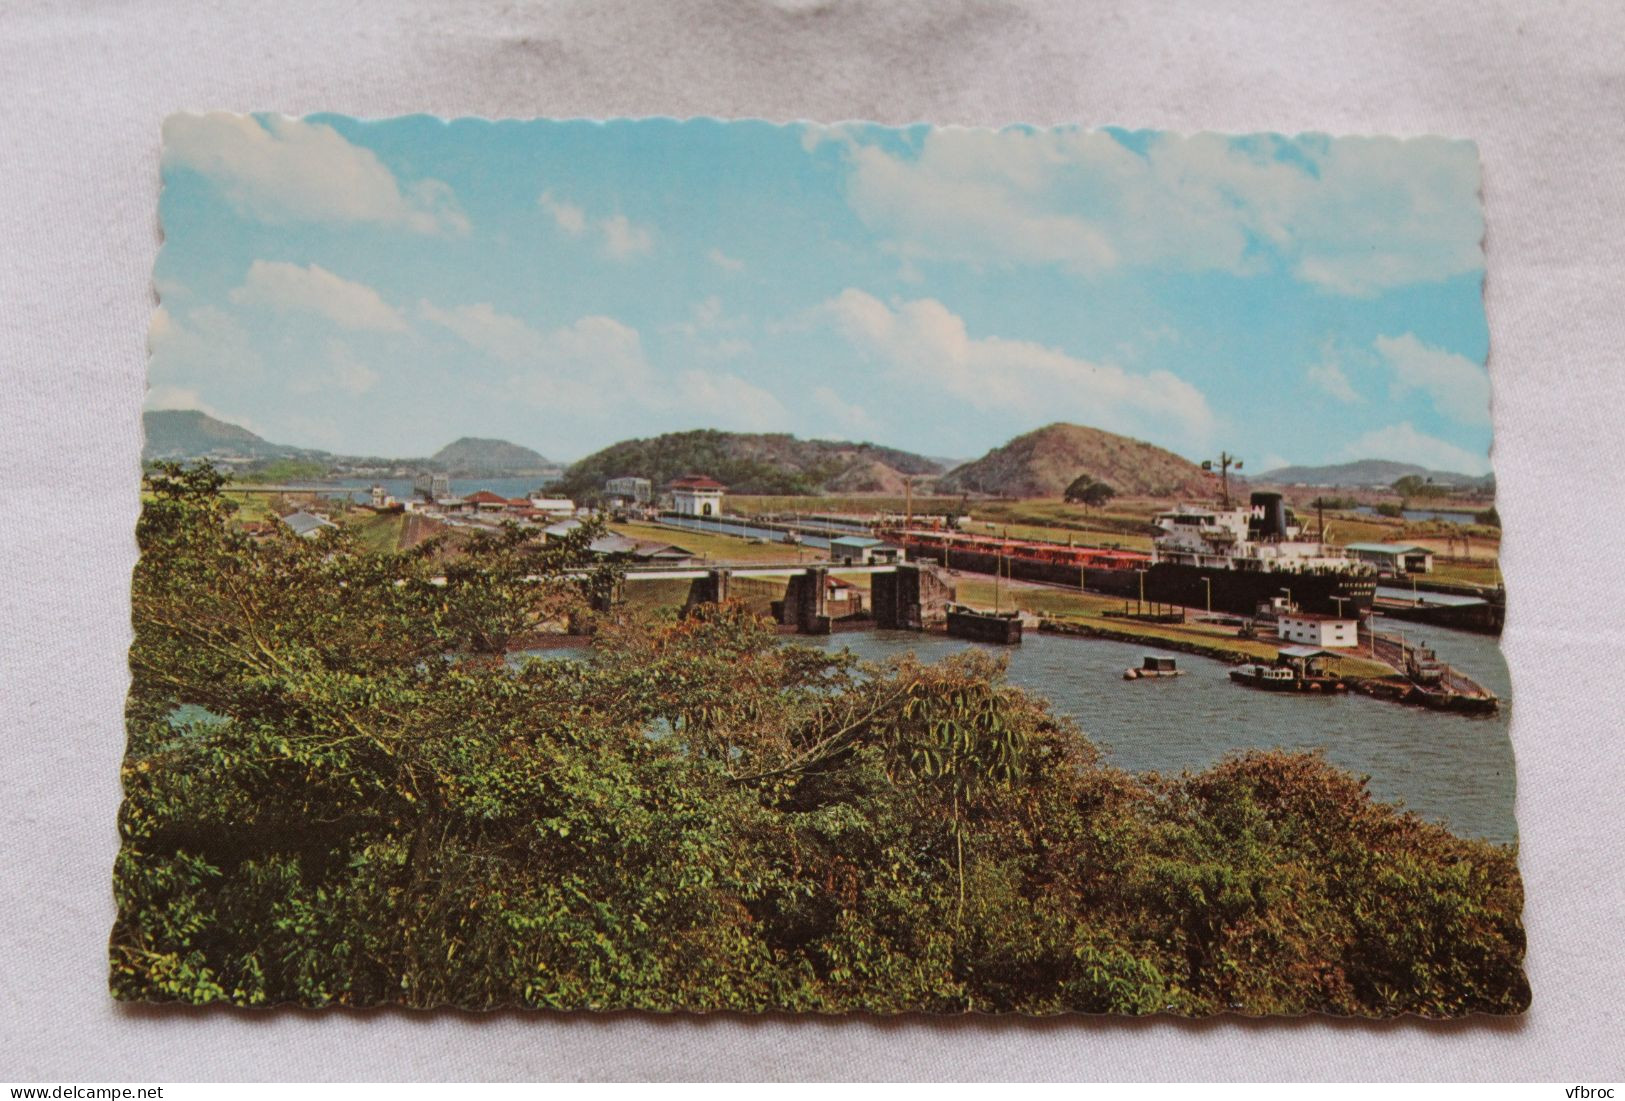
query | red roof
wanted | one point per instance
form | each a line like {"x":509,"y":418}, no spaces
{"x":485,"y":497}
{"x":697,"y":481}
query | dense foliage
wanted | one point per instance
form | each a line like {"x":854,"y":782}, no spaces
{"x":770,"y":464}
{"x":323,"y":807}
{"x":1086,"y":490}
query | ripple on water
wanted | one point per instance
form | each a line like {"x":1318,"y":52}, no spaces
{"x":1454,"y":769}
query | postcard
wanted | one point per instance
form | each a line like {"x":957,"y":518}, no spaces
{"x":723,"y":565}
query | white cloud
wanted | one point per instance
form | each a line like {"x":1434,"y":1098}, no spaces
{"x":567,"y":216}
{"x":182,"y":397}
{"x":1458,"y":387}
{"x":728,"y":401}
{"x":586,"y":366}
{"x":622,"y":239}
{"x":289,"y":288}
{"x":288,"y":170}
{"x":724,"y":261}
{"x":342,"y":371}
{"x":197,"y":351}
{"x":618,"y":236}
{"x":597,"y":364}
{"x":926,"y":343}
{"x":498,"y":334}
{"x":1351,"y":215}
{"x":849,"y":415}
{"x":1403,"y":443}
{"x":1329,"y":376}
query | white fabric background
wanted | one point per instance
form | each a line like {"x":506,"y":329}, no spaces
{"x":1541,"y":87}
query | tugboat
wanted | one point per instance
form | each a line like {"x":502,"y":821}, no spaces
{"x":1154,"y":666}
{"x":1296,"y":669}
{"x":1234,"y":559}
{"x":1422,"y":666}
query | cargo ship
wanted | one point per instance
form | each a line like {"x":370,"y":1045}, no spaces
{"x":1233,"y":560}
{"x":1102,"y":569}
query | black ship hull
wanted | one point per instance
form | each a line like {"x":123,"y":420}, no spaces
{"x":1242,"y":591}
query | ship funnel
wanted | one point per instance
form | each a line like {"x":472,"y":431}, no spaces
{"x":1268,"y":519}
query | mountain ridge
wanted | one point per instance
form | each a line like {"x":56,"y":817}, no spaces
{"x":1043,"y":462}
{"x":1362,"y":472}
{"x":768,"y":463}
{"x":483,"y":455}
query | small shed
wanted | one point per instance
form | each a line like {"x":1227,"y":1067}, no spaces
{"x":860,"y":550}
{"x":1394,"y":557}
{"x":1305,"y":659}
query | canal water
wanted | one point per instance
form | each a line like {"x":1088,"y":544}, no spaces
{"x":1452,"y":769}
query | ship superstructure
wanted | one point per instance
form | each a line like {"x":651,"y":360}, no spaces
{"x":1232,"y":559}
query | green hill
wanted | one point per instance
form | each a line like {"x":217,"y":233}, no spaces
{"x":190,"y":434}
{"x":474,"y":455}
{"x":1362,"y":472}
{"x":751,"y":463}
{"x":1044,"y":462}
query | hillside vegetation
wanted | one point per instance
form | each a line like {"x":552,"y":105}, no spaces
{"x":188,"y":434}
{"x":1364,"y":472}
{"x":1044,"y":462}
{"x":474,"y":455}
{"x":752,"y":463}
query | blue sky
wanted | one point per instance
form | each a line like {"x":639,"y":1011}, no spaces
{"x":386,"y":287}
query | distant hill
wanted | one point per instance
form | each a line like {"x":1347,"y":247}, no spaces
{"x":473,"y":455}
{"x":1044,"y":462}
{"x":1362,"y":472}
{"x":189,"y":434}
{"x":752,"y":462}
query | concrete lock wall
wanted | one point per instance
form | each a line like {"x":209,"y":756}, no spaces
{"x":710,"y":589}
{"x":806,"y":602}
{"x":911,"y":598}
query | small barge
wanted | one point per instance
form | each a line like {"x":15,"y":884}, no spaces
{"x":1154,"y":666}
{"x":979,"y":626}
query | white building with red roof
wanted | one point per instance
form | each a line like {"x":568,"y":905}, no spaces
{"x":697,"y":495}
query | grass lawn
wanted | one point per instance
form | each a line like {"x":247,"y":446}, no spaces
{"x":251,"y":506}
{"x":378,"y":533}
{"x":1478,"y":572}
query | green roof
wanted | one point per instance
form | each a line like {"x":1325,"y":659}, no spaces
{"x":1387,"y":548}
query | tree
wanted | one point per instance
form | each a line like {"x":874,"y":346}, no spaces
{"x":341,"y":789}
{"x":1085,"y":490}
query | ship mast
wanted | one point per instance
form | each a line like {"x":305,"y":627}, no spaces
{"x":1224,"y":462}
